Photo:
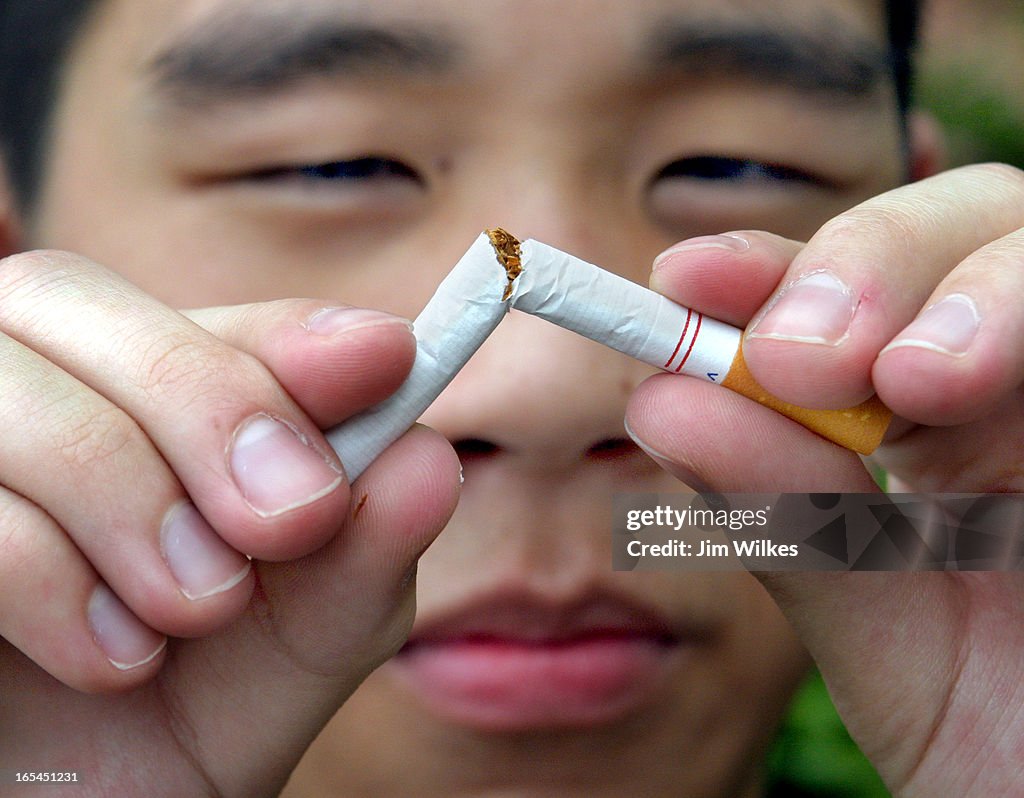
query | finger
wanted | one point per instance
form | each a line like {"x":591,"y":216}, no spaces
{"x":255,"y":465}
{"x":54,"y":608}
{"x":726,"y":276}
{"x":334,"y":361}
{"x":961,"y":355}
{"x":884,"y":640}
{"x":99,"y":478}
{"x":319,"y":625}
{"x":865,"y":275}
{"x":400,"y":503}
{"x":715,"y":440}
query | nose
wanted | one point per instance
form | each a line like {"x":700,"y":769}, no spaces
{"x":539,"y":397}
{"x":537,"y":400}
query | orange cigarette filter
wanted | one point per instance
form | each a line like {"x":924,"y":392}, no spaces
{"x":859,"y":428}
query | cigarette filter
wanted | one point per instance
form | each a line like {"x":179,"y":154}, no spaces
{"x":498,"y":273}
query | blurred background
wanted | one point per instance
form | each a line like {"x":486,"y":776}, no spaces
{"x":972,"y":77}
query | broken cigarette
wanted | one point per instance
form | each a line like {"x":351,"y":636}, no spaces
{"x":498,"y":273}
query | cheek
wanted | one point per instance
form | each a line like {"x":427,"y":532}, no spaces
{"x":190,"y":253}
{"x":753,"y":657}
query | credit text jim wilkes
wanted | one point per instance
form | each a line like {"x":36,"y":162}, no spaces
{"x":703,"y":520}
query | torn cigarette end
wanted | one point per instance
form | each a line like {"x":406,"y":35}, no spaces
{"x":510,"y":255}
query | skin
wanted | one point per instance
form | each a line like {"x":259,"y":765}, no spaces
{"x":191,"y":199}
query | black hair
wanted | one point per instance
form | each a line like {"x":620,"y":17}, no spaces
{"x":903,"y":18}
{"x":37,"y":36}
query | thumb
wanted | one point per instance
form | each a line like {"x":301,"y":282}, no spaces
{"x":893,"y":648}
{"x":717,"y":441}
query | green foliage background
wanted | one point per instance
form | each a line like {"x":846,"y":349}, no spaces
{"x":814,"y":754}
{"x":982,"y":122}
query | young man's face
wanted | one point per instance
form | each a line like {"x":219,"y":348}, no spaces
{"x":226,"y":151}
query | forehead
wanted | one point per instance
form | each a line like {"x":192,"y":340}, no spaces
{"x":508,"y":22}
{"x":517,"y":39}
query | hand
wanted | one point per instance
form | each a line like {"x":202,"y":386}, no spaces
{"x":911,"y":295}
{"x":141,"y":454}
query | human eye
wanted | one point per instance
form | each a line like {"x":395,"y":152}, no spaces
{"x":360,"y":189}
{"x":736,"y":171}
{"x":365,"y":172}
{"x":706,"y":192}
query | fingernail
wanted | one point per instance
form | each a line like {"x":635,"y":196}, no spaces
{"x":816,"y":309}
{"x":202,"y":563}
{"x":330,"y":321}
{"x":127,"y":642}
{"x":679,"y":471}
{"x":949,"y":326}
{"x":644,"y":445}
{"x":276,"y":468}
{"x":732,"y":243}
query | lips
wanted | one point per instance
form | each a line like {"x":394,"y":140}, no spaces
{"x":516,"y":663}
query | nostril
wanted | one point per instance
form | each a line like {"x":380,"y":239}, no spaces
{"x":470,"y":449}
{"x":611,"y":449}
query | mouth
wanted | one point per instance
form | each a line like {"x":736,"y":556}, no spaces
{"x":516,"y":664}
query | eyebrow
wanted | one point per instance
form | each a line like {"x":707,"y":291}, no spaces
{"x":822,"y":61}
{"x":235,"y":54}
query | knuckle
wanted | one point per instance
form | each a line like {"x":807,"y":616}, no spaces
{"x":907,"y":215}
{"x":854,"y":223}
{"x":192,"y":370}
{"x":90,"y":440}
{"x":174,"y":364}
{"x":1005,"y":173}
{"x":844,"y":236}
{"x":36,"y":270}
{"x":16,"y":524}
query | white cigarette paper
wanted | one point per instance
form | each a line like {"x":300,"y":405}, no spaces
{"x":465,"y":309}
{"x":579,"y":296}
{"x":629,"y":318}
